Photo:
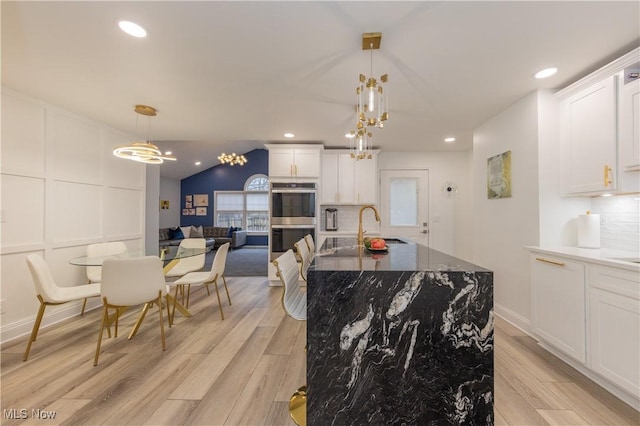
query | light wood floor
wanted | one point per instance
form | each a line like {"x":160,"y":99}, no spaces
{"x":241,"y":371}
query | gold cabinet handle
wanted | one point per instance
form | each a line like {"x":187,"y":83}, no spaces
{"x":296,"y":166}
{"x":553,"y":262}
{"x":607,"y":170}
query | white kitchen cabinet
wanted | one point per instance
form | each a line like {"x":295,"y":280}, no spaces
{"x":630,"y":126}
{"x":294,"y":161}
{"x":588,"y":136}
{"x":558,"y":302}
{"x":347,"y":181}
{"x":614,"y":326}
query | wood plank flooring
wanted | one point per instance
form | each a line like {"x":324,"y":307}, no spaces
{"x":241,"y":371}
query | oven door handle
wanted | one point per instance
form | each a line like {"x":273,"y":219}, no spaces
{"x":293,"y":191}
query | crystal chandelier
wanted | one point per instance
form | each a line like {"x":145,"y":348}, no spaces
{"x":372,"y":107}
{"x":142,"y":152}
{"x":232,"y":159}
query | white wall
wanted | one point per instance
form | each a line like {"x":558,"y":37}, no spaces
{"x":503,"y":227}
{"x":170,"y":190}
{"x":61,"y":189}
{"x":450,"y":218}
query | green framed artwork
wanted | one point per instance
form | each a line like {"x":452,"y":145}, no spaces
{"x":499,"y":176}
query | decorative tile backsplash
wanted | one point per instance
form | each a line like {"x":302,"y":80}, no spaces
{"x":619,"y":221}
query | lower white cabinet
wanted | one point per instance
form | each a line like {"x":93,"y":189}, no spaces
{"x":590,"y":312}
{"x":559,"y":303}
{"x":614,"y":326}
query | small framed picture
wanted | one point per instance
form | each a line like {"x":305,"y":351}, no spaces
{"x":188,"y":204}
{"x":164,"y":204}
{"x":201,"y":200}
{"x":201,"y":211}
{"x":192,"y":212}
{"x":185,"y":212}
{"x":188,"y":198}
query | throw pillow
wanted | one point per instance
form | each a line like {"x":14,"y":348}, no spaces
{"x":230,"y":232}
{"x":186,"y":231}
{"x":177,"y":234}
{"x":196,"y":232}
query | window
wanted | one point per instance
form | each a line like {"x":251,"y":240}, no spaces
{"x":248,"y":209}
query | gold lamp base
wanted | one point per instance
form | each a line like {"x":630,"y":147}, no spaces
{"x":298,"y":406}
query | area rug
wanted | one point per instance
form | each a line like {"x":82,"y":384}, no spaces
{"x":245,"y":261}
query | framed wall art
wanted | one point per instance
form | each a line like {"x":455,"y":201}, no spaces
{"x":499,"y":176}
{"x":201,"y":211}
{"x":201,"y":200}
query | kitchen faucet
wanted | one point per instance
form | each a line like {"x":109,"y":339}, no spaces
{"x":363,"y":208}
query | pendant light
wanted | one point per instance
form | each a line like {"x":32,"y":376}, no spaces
{"x":372,"y":97}
{"x":143,"y":152}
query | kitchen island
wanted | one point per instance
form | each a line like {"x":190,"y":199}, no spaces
{"x":402,"y":337}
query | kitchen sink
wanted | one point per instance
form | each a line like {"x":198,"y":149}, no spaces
{"x":394,"y":241}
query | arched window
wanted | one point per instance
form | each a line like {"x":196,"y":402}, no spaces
{"x":257,"y":183}
{"x":248,"y":209}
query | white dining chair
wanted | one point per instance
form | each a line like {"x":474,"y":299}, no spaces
{"x":50,"y":293}
{"x":294,"y":302}
{"x":312,"y":247}
{"x":212,"y":276}
{"x":302,"y":253}
{"x":94,"y":273}
{"x":131,"y":282}
{"x":188,"y":264}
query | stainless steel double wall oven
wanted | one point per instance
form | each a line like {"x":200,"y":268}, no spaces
{"x":293,"y":214}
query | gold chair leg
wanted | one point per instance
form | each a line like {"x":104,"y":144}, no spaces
{"x":298,"y":406}
{"x":215,"y":283}
{"x":145,"y":308}
{"x":164,"y":345}
{"x":188,"y":295}
{"x":36,"y":327}
{"x":207,"y":286}
{"x":84,"y":305}
{"x":226,"y":289}
{"x":105,"y":320}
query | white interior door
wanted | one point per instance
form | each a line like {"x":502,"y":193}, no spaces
{"x":404,"y":204}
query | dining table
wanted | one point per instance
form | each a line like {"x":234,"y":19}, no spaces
{"x":170,"y":256}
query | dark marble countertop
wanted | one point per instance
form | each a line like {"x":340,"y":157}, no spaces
{"x":344,"y":254}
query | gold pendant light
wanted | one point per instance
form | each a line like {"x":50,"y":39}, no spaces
{"x":232,"y":159}
{"x":372,"y":110}
{"x":142,"y":152}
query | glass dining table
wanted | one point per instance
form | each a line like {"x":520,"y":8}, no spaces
{"x":169,"y":255}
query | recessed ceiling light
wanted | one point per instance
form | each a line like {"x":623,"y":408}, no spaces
{"x":198,"y":163}
{"x":547,"y":72}
{"x":450,"y":139}
{"x":289,"y":135}
{"x":132,"y":29}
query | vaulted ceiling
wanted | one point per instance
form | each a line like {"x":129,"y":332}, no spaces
{"x":229,"y":75}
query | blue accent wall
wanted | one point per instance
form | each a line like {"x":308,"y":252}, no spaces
{"x":223,"y":178}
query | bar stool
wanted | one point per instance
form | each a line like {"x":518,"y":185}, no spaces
{"x":294,"y":302}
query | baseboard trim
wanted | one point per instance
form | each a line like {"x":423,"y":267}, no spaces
{"x":23,"y":327}
{"x":517,"y":320}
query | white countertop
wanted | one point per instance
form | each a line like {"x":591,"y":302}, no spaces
{"x":606,"y":257}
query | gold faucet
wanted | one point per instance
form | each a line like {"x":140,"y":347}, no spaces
{"x":363,"y":208}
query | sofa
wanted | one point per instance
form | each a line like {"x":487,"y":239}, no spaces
{"x":215,"y":236}
{"x":236,"y":236}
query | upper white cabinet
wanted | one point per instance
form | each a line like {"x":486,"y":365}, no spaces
{"x":347,"y":181}
{"x":588,"y":135}
{"x":599,"y":131}
{"x":294,"y":161}
{"x":630,"y":124}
